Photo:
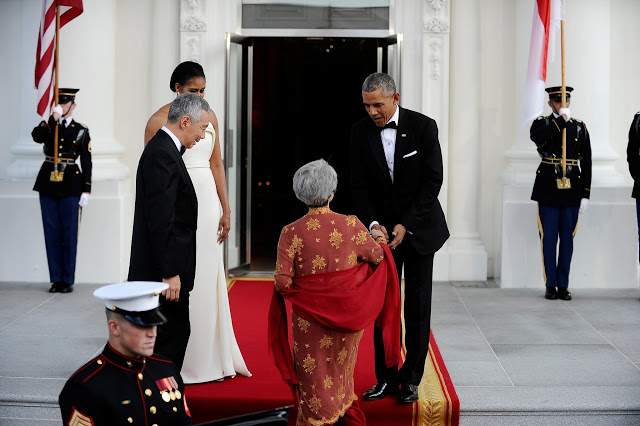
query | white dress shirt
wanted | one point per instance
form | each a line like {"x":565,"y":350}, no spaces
{"x":173,"y":137}
{"x":388,"y":137}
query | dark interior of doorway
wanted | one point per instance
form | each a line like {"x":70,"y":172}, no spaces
{"x":306,"y":96}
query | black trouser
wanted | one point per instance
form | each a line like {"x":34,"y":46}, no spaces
{"x":418,"y":272}
{"x":173,"y":336}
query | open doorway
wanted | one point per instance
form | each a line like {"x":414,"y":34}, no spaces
{"x":306,"y":97}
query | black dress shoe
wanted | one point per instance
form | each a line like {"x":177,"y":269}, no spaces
{"x":408,"y":394}
{"x":379,"y":391}
{"x":65,"y":288}
{"x":55,"y":287}
{"x":563,"y":293}
{"x":551,"y":293}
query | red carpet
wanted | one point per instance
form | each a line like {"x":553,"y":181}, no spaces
{"x":249,"y":300}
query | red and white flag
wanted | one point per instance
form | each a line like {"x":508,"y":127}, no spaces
{"x":45,"y":66}
{"x":547,"y":15}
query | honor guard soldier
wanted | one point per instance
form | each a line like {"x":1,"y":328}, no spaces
{"x":560,"y":200}
{"x":127,"y":383}
{"x":64,"y":187}
{"x":633,"y":158}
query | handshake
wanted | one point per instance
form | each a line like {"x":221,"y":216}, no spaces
{"x":376,"y":233}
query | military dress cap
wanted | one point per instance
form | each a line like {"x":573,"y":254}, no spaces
{"x":555,"y":93}
{"x":66,"y":95}
{"x":137,"y":301}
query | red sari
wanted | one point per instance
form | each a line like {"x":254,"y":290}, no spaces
{"x":323,"y":268}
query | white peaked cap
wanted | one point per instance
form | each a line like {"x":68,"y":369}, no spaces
{"x":137,"y":300}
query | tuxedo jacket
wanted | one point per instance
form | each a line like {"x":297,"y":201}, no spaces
{"x":411,"y":199}
{"x":633,"y":154}
{"x":166,"y":213}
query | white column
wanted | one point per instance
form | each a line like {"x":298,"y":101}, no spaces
{"x":468,"y":257}
{"x":431,"y":81}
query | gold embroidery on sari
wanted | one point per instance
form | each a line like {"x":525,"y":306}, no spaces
{"x":342,"y":356}
{"x":328,"y":382}
{"x":335,"y":238}
{"x":313,"y":224}
{"x":309,"y":364}
{"x":303,"y":324}
{"x":326,"y":341}
{"x":319,"y":262}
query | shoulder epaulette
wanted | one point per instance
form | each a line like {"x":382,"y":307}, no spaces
{"x":542,"y":117}
{"x":577,"y":120}
{"x":89,"y":369}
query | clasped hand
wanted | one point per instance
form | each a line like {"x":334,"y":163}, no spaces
{"x":398,"y":233}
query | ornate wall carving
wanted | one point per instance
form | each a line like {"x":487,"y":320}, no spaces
{"x":192,"y":30}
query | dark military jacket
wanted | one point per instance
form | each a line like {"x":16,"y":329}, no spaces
{"x":546,"y":132}
{"x":73,"y":142}
{"x":113,"y":389}
{"x":633,"y":154}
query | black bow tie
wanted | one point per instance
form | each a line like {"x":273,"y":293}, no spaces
{"x":182,"y":149}
{"x":389,"y":125}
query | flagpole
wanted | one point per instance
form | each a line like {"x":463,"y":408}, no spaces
{"x":563,"y":183}
{"x":564,"y":104}
{"x":56,"y":176}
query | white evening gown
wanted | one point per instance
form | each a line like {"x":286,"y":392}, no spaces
{"x":212,"y":352}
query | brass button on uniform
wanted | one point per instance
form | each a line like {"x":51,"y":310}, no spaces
{"x":153,"y":410}
{"x":147,"y":392}
{"x":99,"y":362}
{"x":78,"y":172}
{"x":130,"y":420}
{"x":61,"y":139}
{"x":129,"y":363}
{"x":140,"y":376}
{"x":175,"y":409}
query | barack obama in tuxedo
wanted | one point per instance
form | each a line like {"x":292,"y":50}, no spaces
{"x":163,"y":245}
{"x":396,"y":175}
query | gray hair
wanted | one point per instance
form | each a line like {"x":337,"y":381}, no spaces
{"x":314,"y":182}
{"x":187,"y":104}
{"x":379,"y":80}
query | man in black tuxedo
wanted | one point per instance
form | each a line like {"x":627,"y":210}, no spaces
{"x":163,"y":245}
{"x":396,"y":175}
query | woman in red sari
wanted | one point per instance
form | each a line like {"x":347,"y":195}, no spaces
{"x":321,"y":244}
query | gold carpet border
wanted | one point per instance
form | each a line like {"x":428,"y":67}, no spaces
{"x":231,"y":281}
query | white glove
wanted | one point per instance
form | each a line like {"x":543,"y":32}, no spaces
{"x":584,"y":205}
{"x":57,"y":110}
{"x":565,"y":111}
{"x":84,"y":199}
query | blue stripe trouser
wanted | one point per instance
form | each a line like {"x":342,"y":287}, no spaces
{"x":61,"y":220}
{"x":554,"y":222}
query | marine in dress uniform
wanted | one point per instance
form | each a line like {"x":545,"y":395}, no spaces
{"x":61,"y":202}
{"x":127,"y":383}
{"x":558,"y":208}
{"x":633,"y":158}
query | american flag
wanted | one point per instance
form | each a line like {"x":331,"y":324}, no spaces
{"x":69,"y":9}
